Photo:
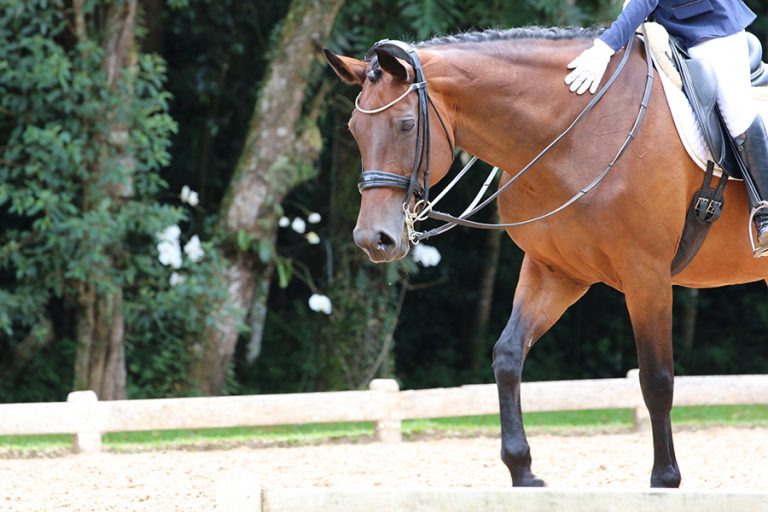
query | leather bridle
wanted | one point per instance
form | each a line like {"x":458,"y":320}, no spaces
{"x":375,"y":178}
{"x":423,"y":208}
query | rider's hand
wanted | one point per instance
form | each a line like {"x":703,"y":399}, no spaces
{"x":588,"y":68}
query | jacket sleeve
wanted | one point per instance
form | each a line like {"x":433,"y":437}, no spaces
{"x":631,"y":17}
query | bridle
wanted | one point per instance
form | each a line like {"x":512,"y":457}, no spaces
{"x":376,"y":178}
{"x":422,"y":208}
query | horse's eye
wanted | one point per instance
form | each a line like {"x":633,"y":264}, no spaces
{"x":407,"y":125}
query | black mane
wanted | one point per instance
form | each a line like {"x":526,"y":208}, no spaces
{"x":533,"y":32}
{"x":495,"y":35}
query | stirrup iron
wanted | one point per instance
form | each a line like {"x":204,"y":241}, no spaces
{"x":757,"y":252}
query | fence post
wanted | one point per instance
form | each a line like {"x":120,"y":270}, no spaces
{"x":640,"y":416}
{"x":238,"y":490}
{"x":388,"y":425}
{"x":88,"y":437}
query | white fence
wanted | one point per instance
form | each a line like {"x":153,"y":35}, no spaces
{"x":87,"y":418}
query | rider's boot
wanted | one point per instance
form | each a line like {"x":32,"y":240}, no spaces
{"x":753,"y":147}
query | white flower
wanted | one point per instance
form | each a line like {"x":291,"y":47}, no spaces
{"x":298,"y":225}
{"x":170,"y":253}
{"x":313,"y":238}
{"x":177,"y":279}
{"x":189,"y":196}
{"x":314,"y":218}
{"x":284,"y":222}
{"x":427,"y":255}
{"x":194,"y":250}
{"x":320,"y":303}
{"x":169,"y":234}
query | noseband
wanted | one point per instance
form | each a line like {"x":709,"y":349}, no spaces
{"x":375,"y":178}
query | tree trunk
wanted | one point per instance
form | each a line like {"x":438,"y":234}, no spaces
{"x":279,"y":154}
{"x":40,"y":336}
{"x":100,"y":358}
{"x":690,"y":304}
{"x":154,"y":26}
{"x":479,"y":349}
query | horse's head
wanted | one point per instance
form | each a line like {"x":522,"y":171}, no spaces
{"x":389,"y":140}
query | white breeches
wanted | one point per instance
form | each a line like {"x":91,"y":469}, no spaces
{"x":729,"y":57}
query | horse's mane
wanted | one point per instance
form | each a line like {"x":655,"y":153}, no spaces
{"x":496,"y":35}
{"x":532,"y":32}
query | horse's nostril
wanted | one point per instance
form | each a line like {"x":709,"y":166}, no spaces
{"x":386,"y":242}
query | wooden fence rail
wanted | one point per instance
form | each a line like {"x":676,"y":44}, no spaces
{"x":84,"y":416}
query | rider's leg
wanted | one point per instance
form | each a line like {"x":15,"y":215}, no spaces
{"x":753,"y":146}
{"x":729,"y":57}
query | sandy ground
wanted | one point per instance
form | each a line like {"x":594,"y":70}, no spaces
{"x":711,"y":458}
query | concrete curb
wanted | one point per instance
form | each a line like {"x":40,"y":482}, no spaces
{"x":492,"y":500}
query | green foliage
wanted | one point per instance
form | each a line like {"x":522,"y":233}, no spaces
{"x":62,"y":228}
{"x":429,"y":16}
{"x":167,"y":321}
{"x":79,"y":182}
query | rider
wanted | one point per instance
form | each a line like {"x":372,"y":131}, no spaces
{"x":712,"y":30}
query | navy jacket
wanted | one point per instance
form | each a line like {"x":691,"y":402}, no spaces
{"x":692,"y":21}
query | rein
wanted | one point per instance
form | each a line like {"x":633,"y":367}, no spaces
{"x":424,"y":209}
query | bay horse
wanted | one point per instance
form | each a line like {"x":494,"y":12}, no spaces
{"x":501,"y":96}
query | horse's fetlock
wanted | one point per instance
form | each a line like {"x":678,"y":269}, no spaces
{"x":517,"y":456}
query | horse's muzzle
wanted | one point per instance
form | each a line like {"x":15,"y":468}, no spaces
{"x":379,"y":245}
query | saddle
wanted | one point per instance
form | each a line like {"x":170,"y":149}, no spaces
{"x":697,"y":80}
{"x":700,"y":87}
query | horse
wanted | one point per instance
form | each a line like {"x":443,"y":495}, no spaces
{"x":500,"y":95}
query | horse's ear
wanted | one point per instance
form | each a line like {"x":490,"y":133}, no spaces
{"x":394,"y":66}
{"x":351,"y":71}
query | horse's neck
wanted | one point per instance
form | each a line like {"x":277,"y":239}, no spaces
{"x":509,"y":103}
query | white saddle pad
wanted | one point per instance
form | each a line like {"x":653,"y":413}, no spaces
{"x":688,"y":128}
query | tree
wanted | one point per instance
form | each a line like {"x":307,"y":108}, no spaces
{"x":100,"y":358}
{"x":84,"y":132}
{"x":280,"y":149}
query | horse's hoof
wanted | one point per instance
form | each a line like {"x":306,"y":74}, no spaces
{"x":666,"y":479}
{"x":528,"y":481}
{"x":533,"y":482}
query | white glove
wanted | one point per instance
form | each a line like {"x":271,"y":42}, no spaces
{"x":589,"y":67}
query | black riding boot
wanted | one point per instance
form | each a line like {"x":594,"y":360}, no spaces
{"x":753,"y":147}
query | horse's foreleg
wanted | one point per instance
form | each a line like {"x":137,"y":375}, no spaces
{"x":649,"y":302}
{"x":542,"y":295}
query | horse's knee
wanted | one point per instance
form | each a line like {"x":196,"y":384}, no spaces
{"x":657,"y":381}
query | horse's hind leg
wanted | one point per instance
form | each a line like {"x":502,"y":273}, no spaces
{"x":649,"y":301}
{"x":542,"y":295}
